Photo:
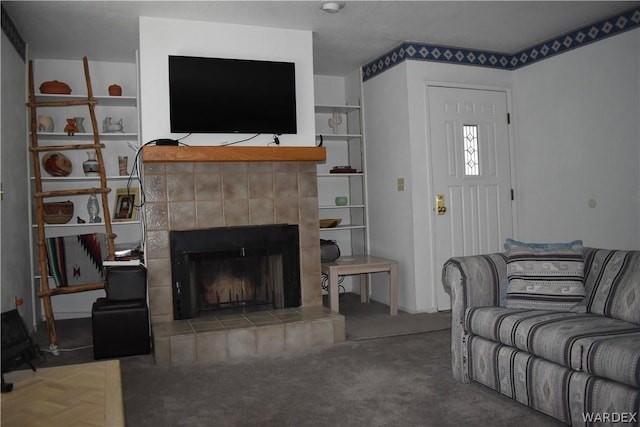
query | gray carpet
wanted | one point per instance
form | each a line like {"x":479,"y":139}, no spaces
{"x":363,"y":321}
{"x":403,"y":380}
{"x":396,"y":381}
{"x":372,"y":320}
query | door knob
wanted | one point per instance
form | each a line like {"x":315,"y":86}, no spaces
{"x":441,"y":208}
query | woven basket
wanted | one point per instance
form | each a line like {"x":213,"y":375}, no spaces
{"x":57,"y":212}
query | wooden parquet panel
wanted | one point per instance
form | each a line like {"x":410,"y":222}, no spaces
{"x":81,"y":395}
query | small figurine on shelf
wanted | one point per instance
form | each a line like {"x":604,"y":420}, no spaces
{"x":80,"y":220}
{"x":45,"y":124}
{"x":341,"y":201}
{"x":335,"y":121}
{"x":109,"y":125}
{"x":93,"y":208}
{"x":122,"y":165}
{"x":71,"y":128}
{"x":115,"y":90}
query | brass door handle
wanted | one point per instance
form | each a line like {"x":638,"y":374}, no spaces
{"x":441,"y":208}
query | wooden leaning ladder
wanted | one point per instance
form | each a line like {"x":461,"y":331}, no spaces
{"x":39,"y":195}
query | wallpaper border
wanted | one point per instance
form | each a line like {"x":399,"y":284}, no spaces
{"x":417,"y":51}
{"x":13,"y":34}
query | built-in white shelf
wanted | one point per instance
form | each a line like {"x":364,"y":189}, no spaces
{"x":117,"y":263}
{"x":346,"y":147}
{"x":339,"y":175}
{"x":86,"y":178}
{"x":338,"y":136}
{"x":341,"y":109}
{"x":342,"y":227}
{"x":56,"y":136}
{"x":87,"y":224}
{"x":107,"y":101}
{"x":340,"y":207}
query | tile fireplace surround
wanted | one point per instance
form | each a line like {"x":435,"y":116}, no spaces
{"x":197,"y":192}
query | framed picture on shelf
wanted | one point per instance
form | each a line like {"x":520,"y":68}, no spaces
{"x":125,"y":208}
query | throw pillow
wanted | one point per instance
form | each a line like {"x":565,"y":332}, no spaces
{"x":510,"y":243}
{"x":545,"y":276}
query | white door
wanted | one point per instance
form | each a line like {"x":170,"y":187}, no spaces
{"x":471,"y":174}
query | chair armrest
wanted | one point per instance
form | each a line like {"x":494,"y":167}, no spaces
{"x":471,"y":281}
{"x":475,"y":281}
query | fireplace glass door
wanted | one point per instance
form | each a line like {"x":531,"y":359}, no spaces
{"x":234,"y":269}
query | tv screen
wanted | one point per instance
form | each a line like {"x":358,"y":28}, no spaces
{"x":221,"y":95}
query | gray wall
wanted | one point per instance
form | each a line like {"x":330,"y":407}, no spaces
{"x":390,"y":155}
{"x":577,"y":145}
{"x":15,"y":280}
{"x":575,"y":137}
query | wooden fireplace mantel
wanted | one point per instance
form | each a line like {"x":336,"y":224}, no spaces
{"x":157,"y":154}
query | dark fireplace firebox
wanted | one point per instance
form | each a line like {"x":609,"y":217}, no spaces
{"x":234,"y":269}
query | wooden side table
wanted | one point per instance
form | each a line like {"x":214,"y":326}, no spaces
{"x":362,"y":265}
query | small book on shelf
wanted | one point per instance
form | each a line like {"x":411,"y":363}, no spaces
{"x":126,"y":254}
{"x":342,"y":169}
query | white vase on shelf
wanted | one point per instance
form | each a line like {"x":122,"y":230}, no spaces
{"x":91,"y":167}
{"x":80,"y":124}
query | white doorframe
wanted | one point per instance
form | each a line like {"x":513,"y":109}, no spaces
{"x":436,"y":270}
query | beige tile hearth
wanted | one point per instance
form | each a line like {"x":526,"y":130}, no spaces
{"x":217,"y":338}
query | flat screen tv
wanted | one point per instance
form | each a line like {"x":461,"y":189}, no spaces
{"x":221,"y":95}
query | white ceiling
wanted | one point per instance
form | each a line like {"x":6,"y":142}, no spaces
{"x":342,"y":42}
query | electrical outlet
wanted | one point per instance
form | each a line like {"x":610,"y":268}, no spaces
{"x":400,"y":184}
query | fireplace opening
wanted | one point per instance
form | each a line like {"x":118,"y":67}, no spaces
{"x":234,"y":269}
{"x":242,"y":281}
